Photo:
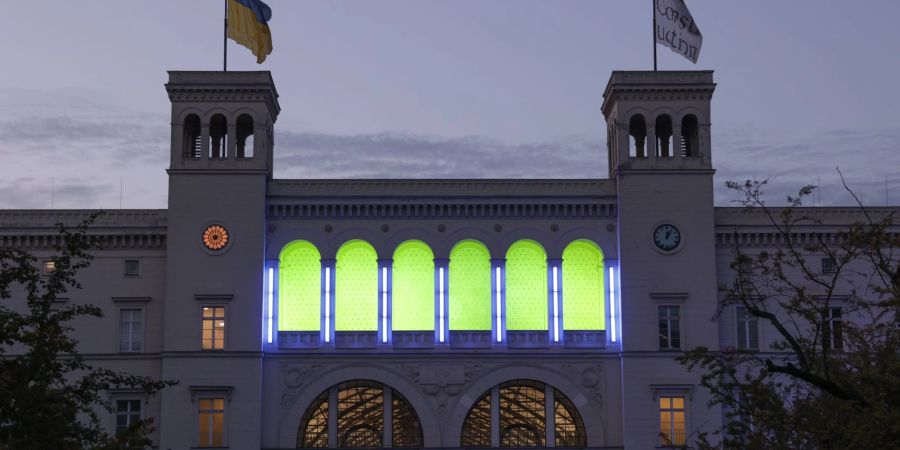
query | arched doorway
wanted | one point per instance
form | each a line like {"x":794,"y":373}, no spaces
{"x":360,"y":414}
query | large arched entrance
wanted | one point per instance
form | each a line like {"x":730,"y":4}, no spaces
{"x":360,"y":414}
{"x":523,"y":413}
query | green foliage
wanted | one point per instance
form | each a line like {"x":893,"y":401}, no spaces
{"x":805,"y":392}
{"x":50,"y":397}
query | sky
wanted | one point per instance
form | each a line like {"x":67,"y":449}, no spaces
{"x":446,"y":89}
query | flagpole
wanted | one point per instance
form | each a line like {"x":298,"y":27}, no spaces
{"x":225,"y":41}
{"x":653,"y":4}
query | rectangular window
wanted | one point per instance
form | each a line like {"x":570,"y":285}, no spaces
{"x":132,"y":268}
{"x":671,"y":421}
{"x":128,"y":413}
{"x":131,"y":330}
{"x":213,"y":328}
{"x":49,"y":267}
{"x":834,"y":333}
{"x":828,"y":265}
{"x":747,"y":330}
{"x":669,"y":328}
{"x":211,"y":422}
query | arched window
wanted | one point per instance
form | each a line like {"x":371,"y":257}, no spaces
{"x":583,"y":294}
{"x":413,"y":287}
{"x":192,"y":144}
{"x":356,"y":287}
{"x":218,"y":132}
{"x":690,"y":136}
{"x":663,"y":136}
{"x":470,"y":287}
{"x":637,"y":132}
{"x":244,"y":142}
{"x":299,"y":287}
{"x":526,"y":287}
{"x":361,"y":408}
{"x":522,"y":418}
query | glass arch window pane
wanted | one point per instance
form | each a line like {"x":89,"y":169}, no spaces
{"x":526,"y":286}
{"x":522,"y":415}
{"x":476,"y":430}
{"x":583,"y":287}
{"x":314,"y":427}
{"x":569,"y":426}
{"x":413,"y":287}
{"x":299,"y":287}
{"x":360,"y":415}
{"x":406,"y":429}
{"x":356,"y":288}
{"x":470,"y":287}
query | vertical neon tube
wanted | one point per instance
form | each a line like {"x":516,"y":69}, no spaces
{"x":498,"y":280}
{"x":441,"y":303}
{"x":384,"y":305}
{"x":270,"y":301}
{"x":555,"y":304}
{"x":327,"y":304}
{"x":612,"y":304}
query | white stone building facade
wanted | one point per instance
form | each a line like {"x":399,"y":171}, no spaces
{"x":420,"y":312}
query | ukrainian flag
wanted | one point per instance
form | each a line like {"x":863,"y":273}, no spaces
{"x":248,"y":26}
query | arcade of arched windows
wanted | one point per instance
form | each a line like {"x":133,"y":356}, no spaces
{"x":219,"y":132}
{"x":415,"y":296}
{"x":368,"y":414}
{"x":665,"y":143}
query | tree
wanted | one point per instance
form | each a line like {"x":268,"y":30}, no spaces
{"x":49,"y":396}
{"x":831,"y":379}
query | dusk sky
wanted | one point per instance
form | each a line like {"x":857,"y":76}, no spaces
{"x":446,"y":89}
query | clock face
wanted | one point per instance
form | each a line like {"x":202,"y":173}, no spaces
{"x":667,"y":237}
{"x":215,"y":237}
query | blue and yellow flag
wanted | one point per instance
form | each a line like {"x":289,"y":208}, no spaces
{"x":248,"y":26}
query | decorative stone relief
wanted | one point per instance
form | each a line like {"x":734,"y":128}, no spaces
{"x":294,"y":377}
{"x":442,"y":381}
{"x":590,"y":378}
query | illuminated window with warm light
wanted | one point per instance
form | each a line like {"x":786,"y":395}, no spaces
{"x":470,"y":287}
{"x":356,"y":287}
{"x":211,"y":422}
{"x":583,"y":287}
{"x":213,"y":328}
{"x":526,"y":286}
{"x":299,"y":287}
{"x":671,"y":421}
{"x":413,"y":287}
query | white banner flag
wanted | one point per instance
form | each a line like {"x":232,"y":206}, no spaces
{"x":675,"y":28}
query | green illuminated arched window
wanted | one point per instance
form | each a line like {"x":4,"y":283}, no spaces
{"x":299,"y":287}
{"x":583,"y":290}
{"x":470,"y":287}
{"x":526,"y":286}
{"x":413,"y":287}
{"x":356,"y":288}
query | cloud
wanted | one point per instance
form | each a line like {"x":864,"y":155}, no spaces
{"x":399,"y":155}
{"x":75,"y":192}
{"x":865,"y":157}
{"x":86,"y":144}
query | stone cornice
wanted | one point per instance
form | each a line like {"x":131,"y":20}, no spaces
{"x":48,"y":218}
{"x":216,"y":86}
{"x":658,"y":85}
{"x":442,"y":188}
{"x":36,"y":229}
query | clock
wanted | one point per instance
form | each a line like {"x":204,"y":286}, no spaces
{"x":667,"y":237}
{"x":215,"y":237}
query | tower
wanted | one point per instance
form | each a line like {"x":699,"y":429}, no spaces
{"x":660,"y":162}
{"x":221,"y":161}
